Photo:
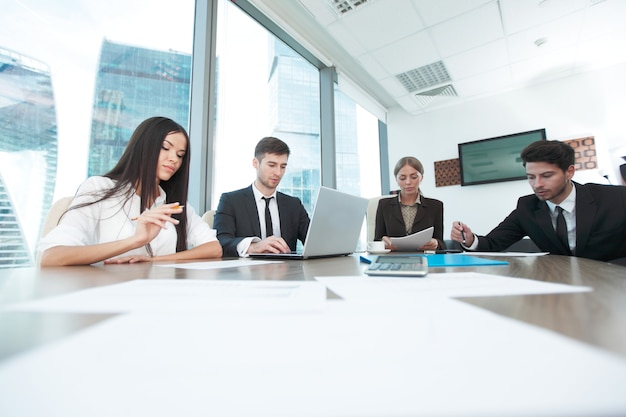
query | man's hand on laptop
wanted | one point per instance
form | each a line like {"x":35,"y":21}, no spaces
{"x":272,"y":244}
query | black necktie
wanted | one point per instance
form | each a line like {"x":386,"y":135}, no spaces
{"x":561,"y":229}
{"x":269,"y":229}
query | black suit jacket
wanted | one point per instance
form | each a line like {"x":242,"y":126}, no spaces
{"x":389,"y":221}
{"x":600,"y":224}
{"x":237,"y":217}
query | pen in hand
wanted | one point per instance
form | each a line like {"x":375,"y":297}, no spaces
{"x":462,"y":232}
{"x":175,"y":208}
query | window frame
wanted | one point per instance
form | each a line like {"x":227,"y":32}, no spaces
{"x":202,"y":112}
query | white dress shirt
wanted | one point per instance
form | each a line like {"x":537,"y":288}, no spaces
{"x":569,"y":212}
{"x":242,"y":247}
{"x":110,"y":220}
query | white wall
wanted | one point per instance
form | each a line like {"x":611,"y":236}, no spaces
{"x":589,"y":104}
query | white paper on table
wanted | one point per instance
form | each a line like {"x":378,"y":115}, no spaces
{"x":217,"y":264}
{"x":414,"y":241}
{"x":449,"y":359}
{"x":442,"y":285}
{"x":185,"y":295}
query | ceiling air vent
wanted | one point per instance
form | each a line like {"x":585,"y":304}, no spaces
{"x":344,"y":6}
{"x":426,"y":97}
{"x":424,"y":77}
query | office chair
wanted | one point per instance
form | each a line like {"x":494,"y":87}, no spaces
{"x":208,"y":216}
{"x":54,"y":214}
{"x":370,"y":215}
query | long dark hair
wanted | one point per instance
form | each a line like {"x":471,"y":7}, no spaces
{"x":136,"y":170}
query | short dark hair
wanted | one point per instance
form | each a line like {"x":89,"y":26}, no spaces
{"x":270,"y":144}
{"x":550,"y":151}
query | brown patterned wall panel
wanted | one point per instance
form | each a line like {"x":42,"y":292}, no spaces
{"x":585,"y":148}
{"x":447,"y":172}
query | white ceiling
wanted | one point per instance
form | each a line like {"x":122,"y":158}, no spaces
{"x":486,"y":46}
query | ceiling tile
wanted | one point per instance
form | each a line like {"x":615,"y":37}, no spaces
{"x":468,"y":31}
{"x":604,"y":18}
{"x":558,"y":35}
{"x":394,"y":87}
{"x":485,"y":83}
{"x":433,"y":12}
{"x":321,"y":10}
{"x":407,"y":53}
{"x":382,"y":22}
{"x":486,"y":45}
{"x":475,"y":61}
{"x":521,"y":15}
{"x":347,"y":39}
{"x":545,"y":67}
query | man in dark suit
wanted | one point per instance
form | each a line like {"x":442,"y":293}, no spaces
{"x":259,"y":219}
{"x":562,"y":217}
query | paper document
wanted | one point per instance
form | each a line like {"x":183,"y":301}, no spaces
{"x":412,"y":242}
{"x":443,"y":285}
{"x":187,"y":295}
{"x":449,"y":360}
{"x":235,"y":263}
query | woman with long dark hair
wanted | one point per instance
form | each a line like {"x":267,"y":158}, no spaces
{"x":136,"y":212}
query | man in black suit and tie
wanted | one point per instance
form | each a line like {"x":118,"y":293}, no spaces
{"x":259,"y":219}
{"x":562,"y":217}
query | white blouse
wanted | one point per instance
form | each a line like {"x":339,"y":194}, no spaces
{"x":110,"y":220}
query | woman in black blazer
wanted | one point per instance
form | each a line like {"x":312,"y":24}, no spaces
{"x":410,"y":212}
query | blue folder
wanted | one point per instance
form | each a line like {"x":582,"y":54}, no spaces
{"x":448,"y":259}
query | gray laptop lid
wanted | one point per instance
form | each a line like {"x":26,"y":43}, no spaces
{"x":335,"y":226}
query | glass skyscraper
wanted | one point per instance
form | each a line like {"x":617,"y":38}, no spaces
{"x":295,"y":118}
{"x":28,"y":154}
{"x":133,"y":84}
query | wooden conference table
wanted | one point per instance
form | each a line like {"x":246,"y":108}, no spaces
{"x":597,"y":317}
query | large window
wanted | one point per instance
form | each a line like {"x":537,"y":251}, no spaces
{"x":357,"y":144}
{"x":263,"y":89}
{"x":76,"y":77}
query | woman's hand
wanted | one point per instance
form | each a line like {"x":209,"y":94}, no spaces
{"x":128,"y":259}
{"x":152,"y":221}
{"x":431,"y":245}
{"x":388,"y":244}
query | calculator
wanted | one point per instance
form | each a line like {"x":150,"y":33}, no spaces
{"x":399,"y":266}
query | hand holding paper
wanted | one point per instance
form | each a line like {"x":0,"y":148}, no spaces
{"x":412,"y":242}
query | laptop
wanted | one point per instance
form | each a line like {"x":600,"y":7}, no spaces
{"x":334,"y":229}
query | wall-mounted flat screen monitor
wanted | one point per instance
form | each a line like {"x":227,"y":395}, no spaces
{"x":495,"y":159}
